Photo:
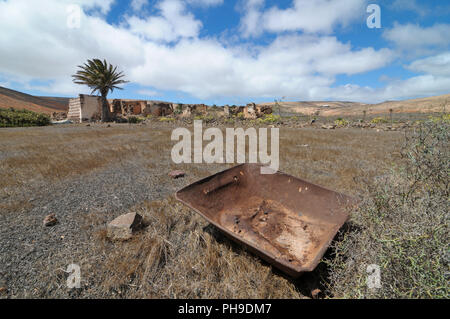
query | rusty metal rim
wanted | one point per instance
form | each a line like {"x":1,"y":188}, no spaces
{"x":297,"y":269}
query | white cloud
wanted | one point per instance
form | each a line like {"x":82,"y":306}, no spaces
{"x":438,"y":65}
{"x":205,"y":3}
{"x":419,"y":86}
{"x":103,"y":5}
{"x":410,"y":5}
{"x":174,"y":22}
{"x":40,"y":48}
{"x":304,"y":15}
{"x":251,"y":21}
{"x":411,"y":36}
{"x":148,"y":93}
{"x":137,"y":5}
{"x":289,"y":66}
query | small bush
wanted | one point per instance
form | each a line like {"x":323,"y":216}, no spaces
{"x":341,"y":122}
{"x":204,"y":118}
{"x":135,"y":120}
{"x":166,"y":119}
{"x":14,"y":118}
{"x":178,"y":110}
{"x":269,"y":119}
{"x":442,"y":118}
{"x":379,"y":120}
{"x":402,"y":226}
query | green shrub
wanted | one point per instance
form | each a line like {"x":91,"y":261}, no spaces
{"x":204,"y":118}
{"x":341,"y":122}
{"x":442,"y":118}
{"x":402,"y":226}
{"x":269,"y":119}
{"x":135,"y":119}
{"x":178,"y":110}
{"x":13,"y":118}
{"x":379,"y":120}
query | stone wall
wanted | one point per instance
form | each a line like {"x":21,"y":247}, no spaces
{"x":91,"y":107}
{"x":74,"y":113}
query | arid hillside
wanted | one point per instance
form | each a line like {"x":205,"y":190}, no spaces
{"x":10,"y":98}
{"x":326,"y":108}
{"x":18,"y":100}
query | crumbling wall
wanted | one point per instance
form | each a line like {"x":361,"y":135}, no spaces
{"x":253,"y":111}
{"x":116,"y":107}
{"x":85,"y":108}
{"x":159,"y":109}
{"x":91,"y":107}
{"x":263,"y":109}
{"x":74,"y":113}
{"x":250,"y":111}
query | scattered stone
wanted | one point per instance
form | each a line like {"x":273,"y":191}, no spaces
{"x":328,"y":127}
{"x":50,"y":220}
{"x":177,"y":174}
{"x":123,"y":226}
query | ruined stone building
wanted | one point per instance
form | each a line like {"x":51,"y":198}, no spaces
{"x":155,"y":108}
{"x":127,"y":107}
{"x":85,"y":108}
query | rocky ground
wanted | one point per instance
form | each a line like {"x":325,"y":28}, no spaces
{"x":87,"y":176}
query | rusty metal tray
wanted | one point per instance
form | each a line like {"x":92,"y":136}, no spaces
{"x":285,"y":220}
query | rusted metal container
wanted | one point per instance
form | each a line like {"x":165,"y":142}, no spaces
{"x":286,"y":221}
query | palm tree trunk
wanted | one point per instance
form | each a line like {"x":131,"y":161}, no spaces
{"x":105,"y":109}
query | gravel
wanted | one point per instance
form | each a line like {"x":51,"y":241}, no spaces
{"x":33,"y":258}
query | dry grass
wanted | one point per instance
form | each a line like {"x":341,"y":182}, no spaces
{"x":178,"y":254}
{"x":402,"y":226}
{"x":41,"y":154}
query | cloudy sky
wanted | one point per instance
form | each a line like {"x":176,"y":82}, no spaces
{"x":224,"y":51}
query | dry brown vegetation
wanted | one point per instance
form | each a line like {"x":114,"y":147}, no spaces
{"x":401,"y":225}
{"x":177,"y":254}
{"x":330,"y":108}
{"x":10,"y":98}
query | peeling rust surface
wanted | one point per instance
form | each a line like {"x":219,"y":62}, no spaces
{"x":285,"y":220}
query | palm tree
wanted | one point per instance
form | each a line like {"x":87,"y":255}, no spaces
{"x":101,"y":77}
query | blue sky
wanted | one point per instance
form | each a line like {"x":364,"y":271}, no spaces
{"x":230,"y":52}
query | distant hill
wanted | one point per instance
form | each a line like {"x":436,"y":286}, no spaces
{"x":326,"y":108}
{"x":18,"y":100}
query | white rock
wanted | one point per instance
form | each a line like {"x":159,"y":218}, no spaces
{"x":123,"y":226}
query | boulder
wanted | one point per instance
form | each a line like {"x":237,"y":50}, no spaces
{"x":123,"y":226}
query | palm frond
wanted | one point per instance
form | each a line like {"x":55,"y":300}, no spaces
{"x":99,"y":76}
